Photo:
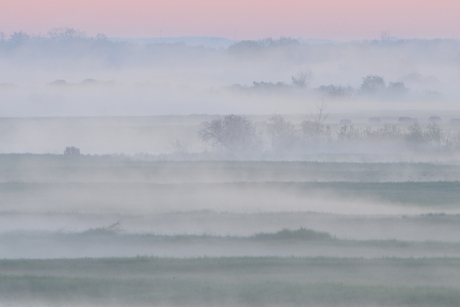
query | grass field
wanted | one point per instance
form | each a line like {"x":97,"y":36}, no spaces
{"x":111,"y":230}
{"x":232,"y":281}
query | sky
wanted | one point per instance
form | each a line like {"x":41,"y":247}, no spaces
{"x":237,"y":19}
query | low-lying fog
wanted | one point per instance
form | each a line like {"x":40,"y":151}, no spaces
{"x":64,"y":75}
{"x":277,"y":148}
{"x":64,"y":88}
{"x":52,"y":199}
{"x":176,"y":139}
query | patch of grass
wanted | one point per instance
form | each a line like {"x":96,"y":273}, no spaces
{"x":299,"y":234}
{"x":208,"y":291}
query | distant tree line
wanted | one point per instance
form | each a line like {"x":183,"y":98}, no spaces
{"x":372,"y":85}
{"x":55,"y":34}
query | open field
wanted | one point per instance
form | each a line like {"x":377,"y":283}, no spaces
{"x":120,"y":169}
{"x":231,"y":282}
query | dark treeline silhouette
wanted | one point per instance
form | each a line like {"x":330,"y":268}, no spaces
{"x":237,"y":134}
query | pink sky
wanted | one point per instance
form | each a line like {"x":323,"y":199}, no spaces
{"x":240,"y":19}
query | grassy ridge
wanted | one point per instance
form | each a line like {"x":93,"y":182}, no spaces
{"x":49,"y":168}
{"x":301,"y":243}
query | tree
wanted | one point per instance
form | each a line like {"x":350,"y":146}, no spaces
{"x":302,"y":79}
{"x":372,"y":84}
{"x":72,"y":151}
{"x":233,"y":132}
{"x":316,"y":128}
{"x":282,"y":133}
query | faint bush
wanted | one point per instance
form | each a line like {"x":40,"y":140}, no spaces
{"x":397,"y":88}
{"x":335,"y":91}
{"x":414,"y":134}
{"x":349,"y":133}
{"x":387,"y":132}
{"x":452,"y":141}
{"x":434,"y":135}
{"x":282,"y":133}
{"x":179,"y":147}
{"x":261,"y":87}
{"x":269,"y":86}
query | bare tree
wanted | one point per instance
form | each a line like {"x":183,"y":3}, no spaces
{"x":315,"y":128}
{"x":233,"y":132}
{"x":302,"y":79}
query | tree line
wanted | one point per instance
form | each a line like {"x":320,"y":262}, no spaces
{"x":237,"y":134}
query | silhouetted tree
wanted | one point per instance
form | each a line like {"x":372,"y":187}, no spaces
{"x":233,"y":132}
